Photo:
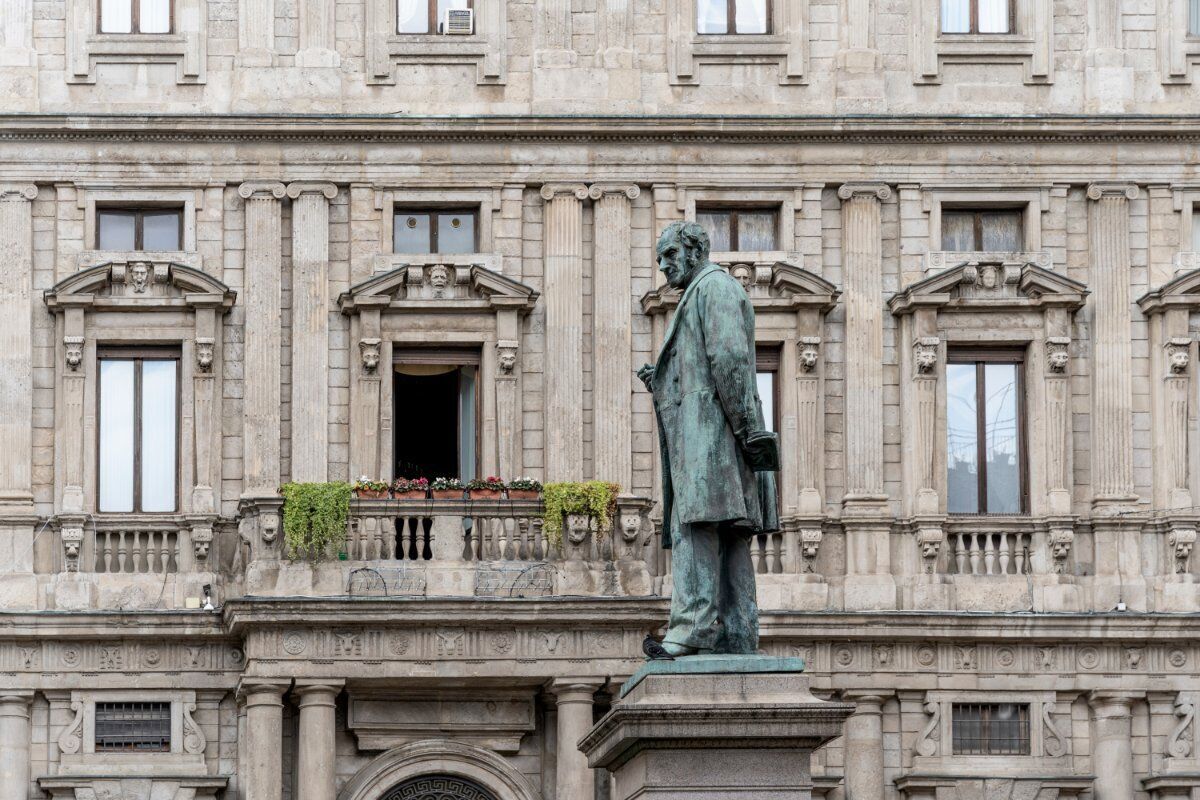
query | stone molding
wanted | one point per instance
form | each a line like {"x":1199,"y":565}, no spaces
{"x":186,"y":45}
{"x":10,"y":192}
{"x":549,"y":191}
{"x":850,"y":191}
{"x":786,"y":46}
{"x":262,"y":190}
{"x":1031,"y":43}
{"x":486,"y":47}
{"x":297,"y":188}
{"x":484,"y":767}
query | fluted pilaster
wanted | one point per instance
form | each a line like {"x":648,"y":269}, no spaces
{"x":310,"y":330}
{"x":260,"y":414}
{"x":16,"y":345}
{"x":1112,"y":388}
{"x":317,"y":34}
{"x":612,"y":338}
{"x":563,"y":237}
{"x":256,"y":32}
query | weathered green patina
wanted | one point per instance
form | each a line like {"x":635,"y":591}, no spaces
{"x":718,"y":460}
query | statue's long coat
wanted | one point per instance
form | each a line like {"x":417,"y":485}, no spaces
{"x":705,"y":394}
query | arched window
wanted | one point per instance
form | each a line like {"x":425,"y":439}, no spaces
{"x":439,"y":787}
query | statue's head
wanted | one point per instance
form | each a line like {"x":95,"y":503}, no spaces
{"x":682,"y":252}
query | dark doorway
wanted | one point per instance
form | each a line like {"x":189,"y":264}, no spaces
{"x":435,"y":414}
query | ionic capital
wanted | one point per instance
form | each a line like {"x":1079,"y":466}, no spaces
{"x":262,"y":190}
{"x":297,"y":188}
{"x":879,"y":191}
{"x":1096,"y":191}
{"x":17,"y":192}
{"x":598,"y":190}
{"x":552,"y":190}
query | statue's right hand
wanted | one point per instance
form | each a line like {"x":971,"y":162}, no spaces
{"x":646,"y":375}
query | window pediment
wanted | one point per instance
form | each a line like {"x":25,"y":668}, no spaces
{"x":985,"y":284}
{"x":776,"y":285}
{"x":439,"y":287}
{"x":140,"y":281}
{"x":1182,"y":291}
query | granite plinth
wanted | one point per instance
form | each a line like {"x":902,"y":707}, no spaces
{"x":736,"y":727}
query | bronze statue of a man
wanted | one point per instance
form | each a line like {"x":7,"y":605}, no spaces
{"x":718,"y":459}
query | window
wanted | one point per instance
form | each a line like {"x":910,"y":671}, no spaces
{"x":991,"y":230}
{"x":977,"y":16}
{"x":135,"y":16}
{"x":985,"y":448}
{"x":138,"y":400}
{"x":1194,"y":18}
{"x":436,"y":231}
{"x":746,"y":229}
{"x":425,"y":16}
{"x":1196,"y":220}
{"x":767,"y":375}
{"x":133,"y":727}
{"x":437,"y":387}
{"x":991,"y":729}
{"x":139,"y":228}
{"x":732,"y":16}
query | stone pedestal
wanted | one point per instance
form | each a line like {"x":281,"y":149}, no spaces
{"x":733,"y":727}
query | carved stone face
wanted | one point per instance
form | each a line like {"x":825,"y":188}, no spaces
{"x":926,"y":358}
{"x":370,"y":355}
{"x":439,"y":277}
{"x":808,"y":358}
{"x":1058,"y":359}
{"x":1179,"y":360}
{"x":508,"y":360}
{"x":74,"y":352}
{"x":139,"y":272}
{"x":742,"y":273}
{"x":204,"y":356}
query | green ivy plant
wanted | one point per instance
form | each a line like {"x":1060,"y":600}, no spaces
{"x":314,"y":518}
{"x":597,"y":499}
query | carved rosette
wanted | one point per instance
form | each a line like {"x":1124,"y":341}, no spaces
{"x":1058,"y":356}
{"x":1179,"y":355}
{"x":809,"y":353}
{"x":74,"y":345}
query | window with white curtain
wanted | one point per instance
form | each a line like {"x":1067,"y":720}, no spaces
{"x":1194,"y":17}
{"x":135,"y":16}
{"x":739,"y":229}
{"x":732,"y":16}
{"x":978,"y":16}
{"x":139,"y":419}
{"x":425,"y":16}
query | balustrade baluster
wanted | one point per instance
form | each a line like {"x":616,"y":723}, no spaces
{"x":121,"y":551}
{"x":1004,"y":555}
{"x":376,"y":539}
{"x":960,"y":552}
{"x":989,"y":553}
{"x":108,"y":550}
{"x":975,"y":550}
{"x":755,"y":557}
{"x":135,"y":564}
{"x":387,"y":530}
{"x":170,"y":550}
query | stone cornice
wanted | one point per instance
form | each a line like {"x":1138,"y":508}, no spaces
{"x":783,"y":128}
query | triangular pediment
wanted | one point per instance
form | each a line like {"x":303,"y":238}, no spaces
{"x":772,"y":285}
{"x":432,"y":286}
{"x":140,"y":284}
{"x":991,"y":285}
{"x":1181,"y":291}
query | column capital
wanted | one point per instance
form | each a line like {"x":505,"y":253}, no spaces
{"x":575,"y":690}
{"x":318,"y":692}
{"x":878,"y":191}
{"x":1096,"y":191}
{"x":15,"y":700}
{"x":598,"y":190}
{"x":1119,"y":701}
{"x":867,"y":701}
{"x":262,"y":190}
{"x":14,"y":192}
{"x":297,"y":188}
{"x":262,"y":691}
{"x":550,"y":191}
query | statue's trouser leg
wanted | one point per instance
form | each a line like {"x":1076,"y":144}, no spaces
{"x":737,"y":607}
{"x":695,"y":574}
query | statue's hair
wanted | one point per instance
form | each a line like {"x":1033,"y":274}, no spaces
{"x":693,"y":237}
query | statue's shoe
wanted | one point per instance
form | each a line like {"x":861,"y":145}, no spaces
{"x":676,"y":650}
{"x":655,"y":651}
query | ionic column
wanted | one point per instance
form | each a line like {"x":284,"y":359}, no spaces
{"x":263,"y":778}
{"x":612,"y":338}
{"x":317,"y":754}
{"x":563,"y":374}
{"x":310,"y":330}
{"x":574,"y":779}
{"x":14,"y":743}
{"x":1112,"y":332}
{"x":16,"y":347}
{"x":1112,"y":744}
{"x":864,"y":746}
{"x":263,"y":298}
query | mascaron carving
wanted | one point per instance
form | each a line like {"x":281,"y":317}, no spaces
{"x":1058,"y":355}
{"x":810,"y":352}
{"x":1179,"y":355}
{"x":506,"y":356}
{"x":925,"y":353}
{"x":368,"y":348}
{"x":74,"y":346}
{"x":204,"y":353}
{"x":1182,"y":540}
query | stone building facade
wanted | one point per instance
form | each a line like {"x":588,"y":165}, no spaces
{"x":287,"y":242}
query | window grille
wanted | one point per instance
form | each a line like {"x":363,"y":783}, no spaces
{"x":991,"y":729}
{"x":133,"y":727}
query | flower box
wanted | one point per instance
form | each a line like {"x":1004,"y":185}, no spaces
{"x":410,"y":494}
{"x":372,"y":494}
{"x":484,"y":494}
{"x":523,"y":494}
{"x":446,"y":494}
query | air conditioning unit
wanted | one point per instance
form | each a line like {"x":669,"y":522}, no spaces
{"x":458,"y":22}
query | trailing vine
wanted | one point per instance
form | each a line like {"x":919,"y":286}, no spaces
{"x":314,"y":518}
{"x":596,"y":499}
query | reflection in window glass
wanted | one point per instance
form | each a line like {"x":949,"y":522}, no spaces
{"x":1194,"y":17}
{"x":116,"y":435}
{"x":410,"y":233}
{"x":1001,"y":438}
{"x":712,"y":16}
{"x":412,"y":16}
{"x":1196,"y":220}
{"x":717,"y":224}
{"x":158,"y":435}
{"x":117,"y":230}
{"x":456,"y":233}
{"x":962,"y":442}
{"x":751,"y":16}
{"x":160,"y":230}
{"x":116,"y":16}
{"x":766,"y":393}
{"x":154,"y":16}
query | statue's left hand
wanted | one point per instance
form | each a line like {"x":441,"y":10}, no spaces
{"x":646,"y":375}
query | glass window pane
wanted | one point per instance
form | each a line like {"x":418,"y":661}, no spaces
{"x":956,"y":16}
{"x":412,"y":16}
{"x":116,"y":16}
{"x":158,"y":435}
{"x":993,"y":16}
{"x":116,"y":435}
{"x":712,"y":16}
{"x":962,"y":468}
{"x":717,"y":225}
{"x":160,"y":230}
{"x":958,"y":231}
{"x":751,"y":16}
{"x":154,"y":16}
{"x":444,"y":5}
{"x":410,"y":233}
{"x":115,"y":230}
{"x":1001,"y":230}
{"x":456,"y":233}
{"x":766,"y":393}
{"x":1196,"y":219}
{"x":466,"y":412}
{"x":1002,"y":441}
{"x":756,"y":231}
{"x":1194,"y":17}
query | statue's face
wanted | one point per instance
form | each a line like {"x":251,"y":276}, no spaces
{"x":674,"y":261}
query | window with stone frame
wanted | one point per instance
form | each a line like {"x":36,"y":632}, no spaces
{"x":982,"y":229}
{"x":716,"y":17}
{"x":435,"y":230}
{"x":138,"y":412}
{"x":426,"y":16}
{"x":135,"y":16}
{"x":990,"y":729}
{"x":130,"y":229}
{"x":985,"y":432}
{"x":767,"y":359}
{"x":744,"y":229}
{"x":977,"y":16}
{"x":133,"y":727}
